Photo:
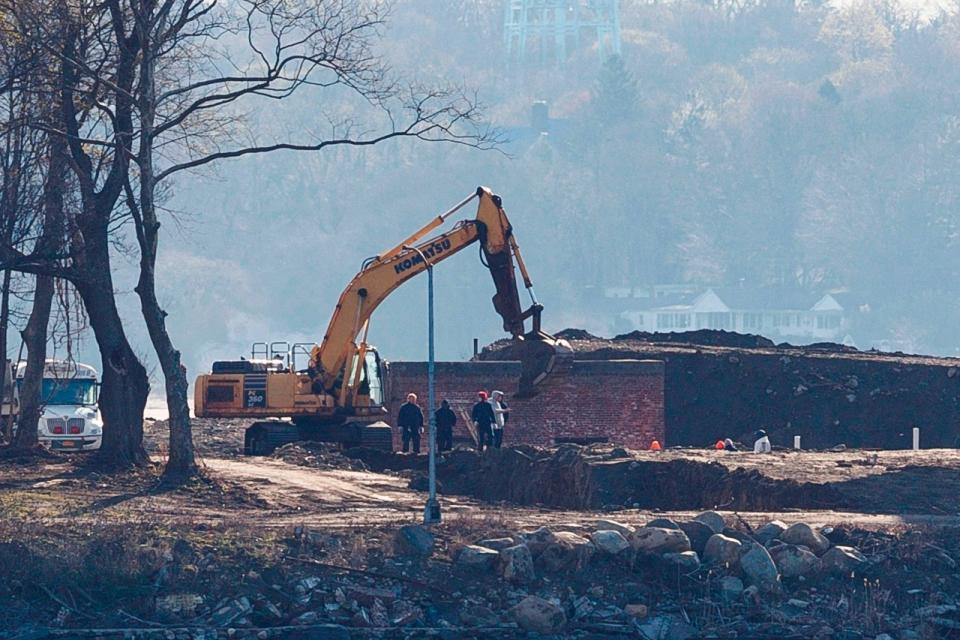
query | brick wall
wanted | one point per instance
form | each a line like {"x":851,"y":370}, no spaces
{"x":620,"y":400}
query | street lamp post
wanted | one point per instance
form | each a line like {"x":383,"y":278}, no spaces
{"x":431,"y":511}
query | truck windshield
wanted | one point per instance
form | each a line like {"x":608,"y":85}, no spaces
{"x":69,"y":391}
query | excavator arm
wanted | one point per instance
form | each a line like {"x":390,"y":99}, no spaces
{"x":331,"y":361}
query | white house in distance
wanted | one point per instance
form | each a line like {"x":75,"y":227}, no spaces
{"x":781,"y":315}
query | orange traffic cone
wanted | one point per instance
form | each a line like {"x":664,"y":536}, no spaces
{"x":655,"y":446}
{"x":719,"y":446}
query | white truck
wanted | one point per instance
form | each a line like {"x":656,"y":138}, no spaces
{"x":70,"y":420}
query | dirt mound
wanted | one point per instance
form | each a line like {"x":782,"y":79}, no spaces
{"x":705,"y":337}
{"x":317,"y":455}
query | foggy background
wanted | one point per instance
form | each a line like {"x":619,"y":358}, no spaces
{"x":767,"y":151}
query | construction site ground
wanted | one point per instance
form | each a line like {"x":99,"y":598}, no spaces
{"x":68,"y":530}
{"x":895,"y":487}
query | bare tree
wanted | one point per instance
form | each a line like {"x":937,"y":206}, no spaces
{"x":202,"y":63}
{"x":87,"y":72}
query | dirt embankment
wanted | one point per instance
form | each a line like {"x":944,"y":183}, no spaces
{"x":720,"y":384}
{"x":605,"y":478}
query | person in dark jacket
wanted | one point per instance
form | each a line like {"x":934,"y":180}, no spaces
{"x":484,"y":419}
{"x":445,"y":420}
{"x":410,"y":421}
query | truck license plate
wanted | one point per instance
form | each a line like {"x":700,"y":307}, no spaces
{"x":68,"y":443}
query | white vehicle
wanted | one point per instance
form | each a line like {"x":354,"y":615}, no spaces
{"x":71,"y":419}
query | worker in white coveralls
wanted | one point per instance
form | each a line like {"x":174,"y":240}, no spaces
{"x":501,"y":414}
{"x":762,"y":444}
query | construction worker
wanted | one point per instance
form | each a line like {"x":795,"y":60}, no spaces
{"x":445,"y":419}
{"x":410,"y":421}
{"x":483,"y":419}
{"x":501,"y":414}
{"x":762,"y":443}
{"x":729,"y":446}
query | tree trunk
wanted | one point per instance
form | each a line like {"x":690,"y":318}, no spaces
{"x":125,"y":388}
{"x":182,"y":461}
{"x":6,"y":421}
{"x":35,"y":339}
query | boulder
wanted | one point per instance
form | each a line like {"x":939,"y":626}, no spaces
{"x":712,"y":519}
{"x":539,"y":616}
{"x":497,"y":543}
{"x":656,"y":540}
{"x":663,"y":523}
{"x":759,"y":568}
{"x":568,"y":551}
{"x":686,"y":561}
{"x":770,"y":531}
{"x":698,"y":533}
{"x":803,"y":534}
{"x":795,"y":562}
{"x":414,"y":539}
{"x":843,"y":560}
{"x":636,"y":610}
{"x":538,"y":540}
{"x":722,"y":550}
{"x":475,"y":557}
{"x":731,"y":588}
{"x":609,"y":541}
{"x":612,"y":525}
{"x":516,"y":564}
{"x":730,"y":532}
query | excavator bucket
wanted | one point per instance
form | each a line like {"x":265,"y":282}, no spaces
{"x":541,"y":356}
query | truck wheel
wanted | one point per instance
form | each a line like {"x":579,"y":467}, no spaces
{"x":378,"y":435}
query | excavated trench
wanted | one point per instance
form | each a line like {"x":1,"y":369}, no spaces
{"x":572,"y":477}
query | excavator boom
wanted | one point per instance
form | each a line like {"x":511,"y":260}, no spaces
{"x":387,"y":271}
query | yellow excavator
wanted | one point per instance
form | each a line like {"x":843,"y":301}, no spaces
{"x":338,"y":397}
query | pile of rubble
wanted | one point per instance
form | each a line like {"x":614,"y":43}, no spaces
{"x":318,"y":455}
{"x":664,"y":580}
{"x":739,"y":572}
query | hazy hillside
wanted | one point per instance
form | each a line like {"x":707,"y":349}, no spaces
{"x":763,"y":142}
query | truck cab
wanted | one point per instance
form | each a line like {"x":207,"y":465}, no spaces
{"x":71,"y":419}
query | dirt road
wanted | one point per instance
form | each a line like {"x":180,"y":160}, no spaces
{"x":270,"y":493}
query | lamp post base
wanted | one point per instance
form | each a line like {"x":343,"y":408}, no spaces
{"x":431,"y":512}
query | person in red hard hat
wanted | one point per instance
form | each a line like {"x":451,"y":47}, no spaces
{"x":655,"y":446}
{"x":483,"y":419}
